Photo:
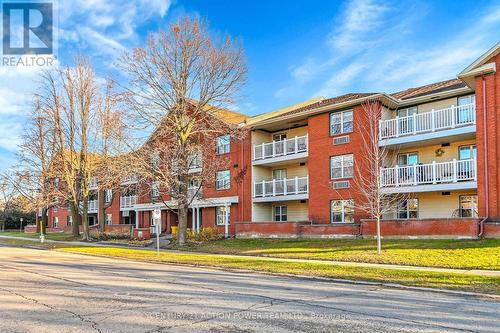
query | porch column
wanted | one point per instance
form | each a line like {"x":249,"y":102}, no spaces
{"x":226,"y":220}
{"x":136,"y":219}
{"x":198,"y":218}
{"x":169,"y":222}
{"x":193,"y":220}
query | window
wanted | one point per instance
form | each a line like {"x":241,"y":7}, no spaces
{"x":279,"y":174}
{"x":92,"y":220}
{"x":223,"y":144}
{"x":279,"y":137}
{"x":55,"y":222}
{"x":465,"y":112}
{"x":69,"y":220}
{"x":468,"y":206}
{"x":408,"y":209}
{"x":340,"y":122}
{"x":109,"y":219}
{"x":155,"y":189}
{"x":408,"y":159}
{"x":467,"y":152}
{"x":341,"y":166}
{"x":56,"y":182}
{"x":280,"y":213}
{"x":220,"y":213}
{"x":342,"y":211}
{"x":223,"y":181}
{"x":108,"y":195}
{"x":407,"y":112}
{"x":155,"y":160}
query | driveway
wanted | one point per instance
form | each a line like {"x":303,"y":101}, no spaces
{"x":47,"y":291}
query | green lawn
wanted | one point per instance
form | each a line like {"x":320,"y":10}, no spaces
{"x":464,"y":254}
{"x":465,"y":282}
{"x":60,"y":236}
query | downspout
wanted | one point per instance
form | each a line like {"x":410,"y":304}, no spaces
{"x":485,"y":143}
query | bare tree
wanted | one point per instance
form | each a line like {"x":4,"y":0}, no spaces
{"x":7,"y":196}
{"x":76,"y":106}
{"x":368,"y":169}
{"x":180,"y":85}
{"x":34,"y":177}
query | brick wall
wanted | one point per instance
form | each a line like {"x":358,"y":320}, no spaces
{"x":321,"y":148}
{"x":268,"y":229}
{"x":493,"y":141}
{"x":423,"y":227}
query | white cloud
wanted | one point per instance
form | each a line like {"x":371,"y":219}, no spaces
{"x":376,"y":46}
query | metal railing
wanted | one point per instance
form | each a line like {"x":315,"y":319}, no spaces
{"x":128,"y":201}
{"x":434,"y":120}
{"x":279,"y":187}
{"x":430,"y":173}
{"x":285,"y":147}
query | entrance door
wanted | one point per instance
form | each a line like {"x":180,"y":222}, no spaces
{"x":407,"y":173}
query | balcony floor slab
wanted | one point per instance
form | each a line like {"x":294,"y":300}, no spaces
{"x":278,"y":198}
{"x":464,"y":185}
{"x":283,"y":159}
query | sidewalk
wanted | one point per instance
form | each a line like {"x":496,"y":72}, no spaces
{"x":330,"y":262}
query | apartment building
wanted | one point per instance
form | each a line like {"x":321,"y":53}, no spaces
{"x":297,"y":167}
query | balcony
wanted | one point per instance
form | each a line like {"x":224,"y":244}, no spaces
{"x":92,"y":207}
{"x":128,"y":201}
{"x":279,"y":151}
{"x":281,"y":189}
{"x":459,"y":121}
{"x":435,"y":176}
{"x":93,"y":183}
{"x":130,"y":180}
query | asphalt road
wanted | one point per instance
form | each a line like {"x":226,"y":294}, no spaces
{"x":44,"y":291}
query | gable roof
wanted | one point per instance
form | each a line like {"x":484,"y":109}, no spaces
{"x":482,"y":59}
{"x":321,"y":103}
{"x":429,"y":89}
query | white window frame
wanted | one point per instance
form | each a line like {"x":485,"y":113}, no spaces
{"x":407,"y":210}
{"x":280,"y":213}
{"x":223,"y":180}
{"x":155,"y":189}
{"x":474,"y":205}
{"x":219,"y":215}
{"x":345,"y":207}
{"x":340,"y":116}
{"x":70,"y":220}
{"x":108,"y":220}
{"x":55,"y":222}
{"x":108,"y":194}
{"x":344,"y":165}
{"x":155,"y":160}
{"x":223,"y":144}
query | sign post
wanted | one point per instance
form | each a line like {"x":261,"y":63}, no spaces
{"x":157,"y":220}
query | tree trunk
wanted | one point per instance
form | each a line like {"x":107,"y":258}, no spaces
{"x":85,"y":220}
{"x":379,"y":243}
{"x":182,"y":227}
{"x":43,"y":221}
{"x":75,"y":227}
{"x":101,"y":215}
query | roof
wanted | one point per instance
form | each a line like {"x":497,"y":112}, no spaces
{"x":482,"y":59}
{"x":429,"y":89}
{"x":283,"y":110}
{"x":324,"y":102}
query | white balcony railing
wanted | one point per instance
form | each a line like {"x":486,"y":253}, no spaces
{"x":434,"y":120}
{"x":279,"y":187}
{"x":92,"y":205}
{"x":93,"y":183}
{"x":285,"y":147}
{"x":129,"y":180}
{"x":128,"y":201}
{"x":431,"y":173}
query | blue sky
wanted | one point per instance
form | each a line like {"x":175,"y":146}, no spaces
{"x":295,"y":49}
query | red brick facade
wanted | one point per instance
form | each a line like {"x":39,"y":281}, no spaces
{"x":316,"y":117}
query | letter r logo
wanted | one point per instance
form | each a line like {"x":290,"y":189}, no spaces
{"x":27,"y":28}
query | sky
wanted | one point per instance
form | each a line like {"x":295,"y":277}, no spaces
{"x":295,"y":50}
